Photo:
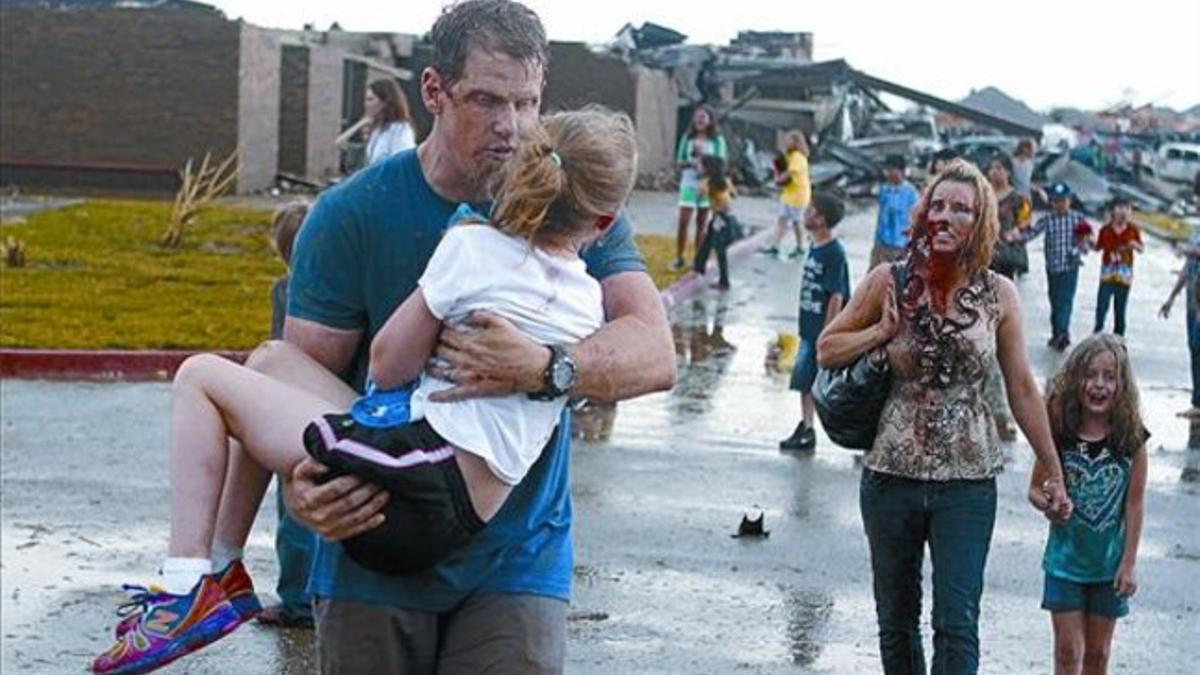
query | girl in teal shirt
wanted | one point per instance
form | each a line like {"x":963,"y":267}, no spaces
{"x":1091,"y":556}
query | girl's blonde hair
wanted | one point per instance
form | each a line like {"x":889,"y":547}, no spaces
{"x":285,"y":226}
{"x":1127,"y":433}
{"x":976,"y":256}
{"x":573,"y":168}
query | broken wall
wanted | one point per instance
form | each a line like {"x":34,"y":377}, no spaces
{"x":310,"y":110}
{"x":578,"y":76}
{"x":657,"y":102}
{"x":258,"y":108}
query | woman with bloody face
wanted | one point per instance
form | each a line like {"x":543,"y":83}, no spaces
{"x":929,"y":478}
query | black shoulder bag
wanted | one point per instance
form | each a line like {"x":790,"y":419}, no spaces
{"x":850,"y":400}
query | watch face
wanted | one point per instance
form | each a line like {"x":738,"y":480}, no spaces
{"x":562,"y":375}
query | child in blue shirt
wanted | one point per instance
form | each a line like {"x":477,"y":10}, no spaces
{"x":824,"y":290}
{"x":897,"y":197}
{"x":1091,"y":557}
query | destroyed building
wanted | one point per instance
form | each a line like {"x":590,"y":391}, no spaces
{"x":119,"y":95}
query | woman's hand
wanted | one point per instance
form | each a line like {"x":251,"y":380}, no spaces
{"x":1039,"y":499}
{"x":1126,"y":581}
{"x":889,"y":319}
{"x":1059,"y":506}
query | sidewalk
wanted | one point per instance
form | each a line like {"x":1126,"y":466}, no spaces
{"x":661,"y":587}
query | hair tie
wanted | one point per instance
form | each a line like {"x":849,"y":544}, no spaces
{"x":554,"y":157}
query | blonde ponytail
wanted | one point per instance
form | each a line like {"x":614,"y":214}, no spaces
{"x":571,"y":169}
{"x":532,"y":182}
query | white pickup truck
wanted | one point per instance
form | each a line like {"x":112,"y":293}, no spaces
{"x":1177,"y":162}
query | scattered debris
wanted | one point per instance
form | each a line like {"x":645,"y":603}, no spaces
{"x":198,"y":190}
{"x":587,"y":616}
{"x":752,"y":528}
{"x":14,"y":252}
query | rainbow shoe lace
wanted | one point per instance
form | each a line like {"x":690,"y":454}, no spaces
{"x":234,"y":580}
{"x":169,"y":627}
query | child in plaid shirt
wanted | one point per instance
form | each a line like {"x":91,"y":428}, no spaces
{"x":1067,"y":236}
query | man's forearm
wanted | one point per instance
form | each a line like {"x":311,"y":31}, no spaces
{"x":633,"y":353}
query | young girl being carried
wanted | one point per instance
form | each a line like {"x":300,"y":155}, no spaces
{"x":448,"y":467}
{"x":1091,"y":557}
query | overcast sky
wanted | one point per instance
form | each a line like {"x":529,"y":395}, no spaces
{"x":1045,"y":52}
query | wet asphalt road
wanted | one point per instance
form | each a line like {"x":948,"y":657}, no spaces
{"x":661,"y":587}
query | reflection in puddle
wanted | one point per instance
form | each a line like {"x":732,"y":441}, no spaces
{"x":701,"y":351}
{"x":1191,"y":460}
{"x":593,"y":421}
{"x":808,"y":613}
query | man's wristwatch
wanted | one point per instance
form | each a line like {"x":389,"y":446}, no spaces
{"x":559,"y":376}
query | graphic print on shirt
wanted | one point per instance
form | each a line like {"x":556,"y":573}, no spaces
{"x":1096,"y":486}
{"x":810,"y":288}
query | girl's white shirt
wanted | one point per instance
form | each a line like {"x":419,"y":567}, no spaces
{"x":551,"y":299}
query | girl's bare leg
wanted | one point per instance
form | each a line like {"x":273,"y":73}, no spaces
{"x":1097,"y":644}
{"x":246,"y":481}
{"x":214,"y":399}
{"x":685,"y":217}
{"x":1068,"y":642}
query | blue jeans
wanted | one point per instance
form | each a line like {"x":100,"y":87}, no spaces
{"x":294,"y":548}
{"x":955,"y":519}
{"x":1118,"y":294}
{"x":1061,"y":286}
{"x":1193,"y":333}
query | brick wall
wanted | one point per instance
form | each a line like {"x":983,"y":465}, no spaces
{"x":310,"y":110}
{"x":94,"y":87}
{"x":99,"y":86}
{"x":293,"y":110}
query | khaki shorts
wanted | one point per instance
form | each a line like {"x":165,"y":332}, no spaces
{"x":485,"y":634}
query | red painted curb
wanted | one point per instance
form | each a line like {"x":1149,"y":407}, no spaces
{"x":97,"y":366}
{"x":691,"y":282}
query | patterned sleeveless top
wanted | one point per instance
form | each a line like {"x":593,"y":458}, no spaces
{"x":935,"y":425}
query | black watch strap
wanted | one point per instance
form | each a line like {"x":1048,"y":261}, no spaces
{"x":560,"y":360}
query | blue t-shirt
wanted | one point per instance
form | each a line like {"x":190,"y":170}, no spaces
{"x":825,"y":273}
{"x":896,"y":203}
{"x":359,"y":255}
{"x":1087,"y":548}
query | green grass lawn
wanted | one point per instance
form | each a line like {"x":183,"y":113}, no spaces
{"x":96,"y":278}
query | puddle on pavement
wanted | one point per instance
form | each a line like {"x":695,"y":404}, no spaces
{"x":702,"y":351}
{"x":807,"y":615}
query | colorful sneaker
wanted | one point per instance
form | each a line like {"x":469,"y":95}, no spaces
{"x":234,"y":580}
{"x":169,"y":627}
